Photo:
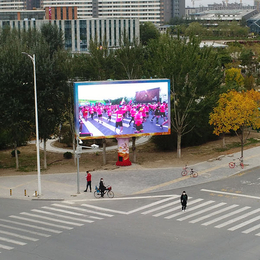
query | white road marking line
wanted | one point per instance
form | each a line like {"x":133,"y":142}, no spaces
{"x":12,"y":241}
{"x":19,"y":236}
{"x":161,"y":207}
{"x":6,"y":247}
{"x":125,"y":198}
{"x":151,"y":205}
{"x":25,"y":230}
{"x":231,"y":194}
{"x":51,"y":219}
{"x":83,"y":210}
{"x":103,"y":209}
{"x":213,"y":214}
{"x":40,"y":222}
{"x":237,"y":218}
{"x":251,"y":229}
{"x":244,"y":223}
{"x":31,"y":226}
{"x":72,"y":213}
{"x":202,"y":211}
{"x":62,"y":216}
{"x":92,"y":129}
{"x":224,"y":216}
{"x":191,"y":209}
{"x":175,"y":208}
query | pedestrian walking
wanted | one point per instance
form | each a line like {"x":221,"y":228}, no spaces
{"x":88,"y":178}
{"x":184,"y":200}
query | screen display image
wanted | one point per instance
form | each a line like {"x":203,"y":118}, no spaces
{"x":112,"y":109}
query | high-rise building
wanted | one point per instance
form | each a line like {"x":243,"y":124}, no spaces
{"x":155,"y":11}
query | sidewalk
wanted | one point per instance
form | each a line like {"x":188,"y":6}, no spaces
{"x":125,"y":181}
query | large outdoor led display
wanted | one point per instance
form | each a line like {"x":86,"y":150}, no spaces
{"x":109,"y":109}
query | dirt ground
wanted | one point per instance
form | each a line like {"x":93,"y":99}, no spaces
{"x":147,"y":157}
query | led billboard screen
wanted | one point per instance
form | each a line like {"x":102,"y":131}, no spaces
{"x":109,"y":109}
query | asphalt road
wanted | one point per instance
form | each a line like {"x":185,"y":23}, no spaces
{"x":222,"y":221}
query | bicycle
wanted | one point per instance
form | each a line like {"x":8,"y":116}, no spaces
{"x":192,"y":173}
{"x":234,"y":164}
{"x":108,"y":191}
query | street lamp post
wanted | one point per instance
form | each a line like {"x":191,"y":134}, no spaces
{"x":36,"y":123}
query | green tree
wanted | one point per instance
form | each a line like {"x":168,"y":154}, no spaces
{"x":195,"y":74}
{"x":16,"y":95}
{"x":148,"y":31}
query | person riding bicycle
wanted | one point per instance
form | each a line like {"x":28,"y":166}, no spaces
{"x":102,"y":187}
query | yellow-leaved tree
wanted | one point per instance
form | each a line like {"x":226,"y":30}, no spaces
{"x":234,"y":75}
{"x":237,"y":111}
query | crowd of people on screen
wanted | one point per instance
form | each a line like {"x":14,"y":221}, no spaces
{"x":138,"y":114}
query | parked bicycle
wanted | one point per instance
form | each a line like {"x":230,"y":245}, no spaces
{"x":234,"y":164}
{"x":191,"y":171}
{"x":108,"y":191}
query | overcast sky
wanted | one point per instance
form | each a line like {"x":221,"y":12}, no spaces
{"x":206,"y":2}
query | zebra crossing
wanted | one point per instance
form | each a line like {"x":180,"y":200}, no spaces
{"x":29,"y":227}
{"x":207,"y":213}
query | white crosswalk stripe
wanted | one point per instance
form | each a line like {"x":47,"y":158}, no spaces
{"x":31,"y":226}
{"x":6,"y":247}
{"x":49,"y":219}
{"x":83,"y":210}
{"x":12,"y":241}
{"x":19,"y":236}
{"x":199,"y":210}
{"x":213,"y":213}
{"x":191,"y":209}
{"x":175,"y":208}
{"x":237,"y":218}
{"x":225,"y":216}
{"x":245,"y":223}
{"x":71,"y":213}
{"x":62,"y":216}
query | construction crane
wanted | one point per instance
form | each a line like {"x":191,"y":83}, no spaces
{"x":193,"y":2}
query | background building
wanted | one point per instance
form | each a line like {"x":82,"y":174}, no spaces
{"x":79,"y":32}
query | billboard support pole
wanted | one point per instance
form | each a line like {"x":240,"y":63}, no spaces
{"x":123,"y":152}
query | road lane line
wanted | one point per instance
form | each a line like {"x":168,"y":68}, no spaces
{"x":251,"y":229}
{"x":232,"y":194}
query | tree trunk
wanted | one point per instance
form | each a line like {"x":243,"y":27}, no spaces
{"x":224,"y":141}
{"x":104,"y":152}
{"x":44,"y":154}
{"x":178,"y":145}
{"x":16,"y":156}
{"x":242,"y":143}
{"x":134,"y":149}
